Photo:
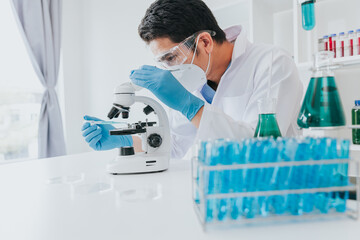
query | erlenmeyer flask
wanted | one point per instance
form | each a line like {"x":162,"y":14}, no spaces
{"x":267,"y":124}
{"x":322,"y":105}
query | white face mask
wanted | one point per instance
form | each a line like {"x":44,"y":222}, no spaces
{"x":190,"y":75}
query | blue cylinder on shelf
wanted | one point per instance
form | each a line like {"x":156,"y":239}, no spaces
{"x":308,"y":14}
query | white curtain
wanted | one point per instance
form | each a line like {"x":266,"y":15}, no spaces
{"x":40,"y":25}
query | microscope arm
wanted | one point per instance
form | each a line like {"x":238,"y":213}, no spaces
{"x":158,"y":110}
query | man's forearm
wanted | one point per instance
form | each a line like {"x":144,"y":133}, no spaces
{"x":197,"y":118}
{"x":137,"y":144}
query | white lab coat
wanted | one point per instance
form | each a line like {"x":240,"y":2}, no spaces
{"x":234,"y":111}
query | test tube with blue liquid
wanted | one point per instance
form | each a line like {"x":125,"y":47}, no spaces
{"x":222,"y":177}
{"x":307,"y":14}
{"x":277,"y":202}
{"x":343,"y":153}
{"x":236,"y":152}
{"x":209,"y":181}
{"x":294,"y":201}
{"x":252,"y":181}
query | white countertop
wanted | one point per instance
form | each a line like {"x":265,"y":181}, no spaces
{"x":72,"y":197}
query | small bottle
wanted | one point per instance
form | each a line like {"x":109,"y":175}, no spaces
{"x":351,"y":37}
{"x":355,"y":116}
{"x":341,"y":45}
{"x":326,"y":43}
{"x":358,"y":41}
{"x":334,"y":40}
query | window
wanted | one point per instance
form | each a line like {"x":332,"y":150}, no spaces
{"x":20,"y":92}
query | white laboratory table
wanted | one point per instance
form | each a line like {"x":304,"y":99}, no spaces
{"x":72,"y":197}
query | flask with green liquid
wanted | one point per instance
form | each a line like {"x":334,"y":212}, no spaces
{"x":322,"y":105}
{"x":267,"y":124}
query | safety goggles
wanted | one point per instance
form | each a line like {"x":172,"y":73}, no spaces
{"x":177,"y":55}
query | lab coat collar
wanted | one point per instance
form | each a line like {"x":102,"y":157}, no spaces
{"x":237,"y":34}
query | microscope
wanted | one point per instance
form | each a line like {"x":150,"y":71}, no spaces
{"x":155,"y":136}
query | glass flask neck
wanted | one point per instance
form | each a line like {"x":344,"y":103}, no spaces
{"x":323,"y":61}
{"x":323,"y":72}
{"x":267,"y":105}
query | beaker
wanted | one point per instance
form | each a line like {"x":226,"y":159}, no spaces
{"x":322,"y":105}
{"x":308,"y":14}
{"x":267,"y":124}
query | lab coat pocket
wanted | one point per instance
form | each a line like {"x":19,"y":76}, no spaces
{"x":235,"y":106}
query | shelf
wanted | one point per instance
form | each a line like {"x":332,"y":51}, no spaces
{"x":353,"y":61}
{"x":348,"y":61}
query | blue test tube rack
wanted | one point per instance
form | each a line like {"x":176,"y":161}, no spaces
{"x":265,"y":180}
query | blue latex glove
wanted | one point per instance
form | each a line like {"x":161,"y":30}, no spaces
{"x":98,"y":136}
{"x":168,"y":89}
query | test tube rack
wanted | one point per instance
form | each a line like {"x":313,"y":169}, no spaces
{"x":256,"y":206}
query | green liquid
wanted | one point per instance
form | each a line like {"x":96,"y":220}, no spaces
{"x":322,"y":105}
{"x":267,"y":126}
{"x":355,"y":115}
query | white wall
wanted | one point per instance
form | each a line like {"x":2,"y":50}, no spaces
{"x":100,"y":47}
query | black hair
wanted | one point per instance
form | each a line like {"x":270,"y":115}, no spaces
{"x":177,"y":20}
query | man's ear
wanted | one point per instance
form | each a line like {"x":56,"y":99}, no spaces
{"x":206,"y":42}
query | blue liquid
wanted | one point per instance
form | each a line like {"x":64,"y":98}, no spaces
{"x":235,"y":152}
{"x":309,"y":202}
{"x":210,"y":210}
{"x":270,"y":154}
{"x":278,"y":203}
{"x":279,"y":178}
{"x":222,"y":207}
{"x":236,"y":208}
{"x":249,"y":207}
{"x":322,"y":202}
{"x":264,"y":206}
{"x":308,"y":15}
{"x":340,"y":202}
{"x":292,"y":153}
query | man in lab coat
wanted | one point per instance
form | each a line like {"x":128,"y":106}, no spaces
{"x":238,"y":74}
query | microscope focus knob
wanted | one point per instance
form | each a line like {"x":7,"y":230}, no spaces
{"x":154,"y":140}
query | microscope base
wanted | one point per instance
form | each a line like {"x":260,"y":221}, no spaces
{"x":139,"y":163}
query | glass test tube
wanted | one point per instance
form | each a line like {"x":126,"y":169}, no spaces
{"x":333,"y":43}
{"x":358,"y":41}
{"x":341,"y":45}
{"x":351,"y":42}
{"x":326,"y":42}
